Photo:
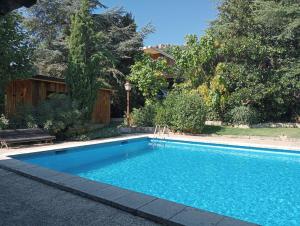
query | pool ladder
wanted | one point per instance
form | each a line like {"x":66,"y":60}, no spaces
{"x":160,"y":132}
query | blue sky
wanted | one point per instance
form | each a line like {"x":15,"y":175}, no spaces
{"x":171,"y":20}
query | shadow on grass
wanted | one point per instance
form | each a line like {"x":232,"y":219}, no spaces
{"x":212,"y":130}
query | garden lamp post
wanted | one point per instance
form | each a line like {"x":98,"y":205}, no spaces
{"x":128,"y":89}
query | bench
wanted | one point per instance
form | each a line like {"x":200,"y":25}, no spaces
{"x":18,"y":136}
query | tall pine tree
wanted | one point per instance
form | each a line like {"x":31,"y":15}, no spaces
{"x":84,"y":59}
{"x":15,"y":52}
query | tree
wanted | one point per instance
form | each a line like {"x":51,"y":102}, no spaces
{"x":280,"y":28}
{"x":84,"y":59}
{"x":258,"y":42}
{"x":124,"y":43}
{"x":49,"y":24}
{"x":195,"y":61}
{"x":248,"y":57}
{"x":15,"y":52}
{"x":149,"y":76}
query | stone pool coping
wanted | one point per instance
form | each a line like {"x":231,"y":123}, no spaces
{"x":231,"y":141}
{"x":149,"y":207}
{"x":257,"y":143}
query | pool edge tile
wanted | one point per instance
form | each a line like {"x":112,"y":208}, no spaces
{"x":193,"y":217}
{"x":229,"y":221}
{"x":14,"y":164}
{"x":133,"y":201}
{"x":160,"y":210}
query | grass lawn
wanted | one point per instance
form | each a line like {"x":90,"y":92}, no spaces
{"x":268,"y":132}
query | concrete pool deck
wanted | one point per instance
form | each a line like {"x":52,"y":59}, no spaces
{"x":27,"y":202}
{"x":264,"y":142}
{"x":105,"y":195}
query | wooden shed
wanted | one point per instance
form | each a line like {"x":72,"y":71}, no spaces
{"x":38,"y":88}
{"x":156,"y":52}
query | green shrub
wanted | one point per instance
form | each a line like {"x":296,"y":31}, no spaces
{"x":4,"y":122}
{"x":92,"y":131}
{"x":165,"y":112}
{"x":243,"y":115}
{"x":24,"y":117}
{"x":183,"y":112}
{"x":213,"y":114}
{"x":56,"y":114}
{"x":144,"y":116}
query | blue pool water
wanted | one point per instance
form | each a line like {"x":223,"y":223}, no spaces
{"x":256,"y":185}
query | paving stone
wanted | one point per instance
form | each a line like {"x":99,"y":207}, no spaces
{"x":61,"y":178}
{"x":195,"y":217}
{"x":110,"y":193}
{"x":11,"y":163}
{"x":160,"y":209}
{"x":227,"y":221}
{"x":84,"y":185}
{"x":134,"y":200}
{"x":37,"y":172}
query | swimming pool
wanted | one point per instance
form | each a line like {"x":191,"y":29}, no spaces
{"x":251,"y":184}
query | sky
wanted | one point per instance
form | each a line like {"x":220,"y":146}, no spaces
{"x":172,"y":21}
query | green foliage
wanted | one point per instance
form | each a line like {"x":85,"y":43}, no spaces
{"x":149,"y":76}
{"x":185,"y":112}
{"x":84,"y":60}
{"x":243,"y":115}
{"x":24,"y":117}
{"x":57,"y":115}
{"x":195,"y":61}
{"x":166,"y":110}
{"x":124,"y":42}
{"x":15,"y":52}
{"x":215,"y":94}
{"x":4,"y":122}
{"x":258,"y":42}
{"x":249,"y":56}
{"x":92,"y":131}
{"x":144,"y":116}
{"x":49,"y":24}
{"x":97,"y":134}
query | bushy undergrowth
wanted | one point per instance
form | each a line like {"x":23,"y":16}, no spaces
{"x":144,"y":116}
{"x":24,"y":117}
{"x":90,"y":132}
{"x":243,"y":115}
{"x":57,"y":115}
{"x":184,"y":112}
{"x":4,"y":122}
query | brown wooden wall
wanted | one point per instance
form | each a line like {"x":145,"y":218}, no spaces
{"x":32,"y":92}
{"x":18,"y":93}
{"x":42,"y":90}
{"x":101,"y":112}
